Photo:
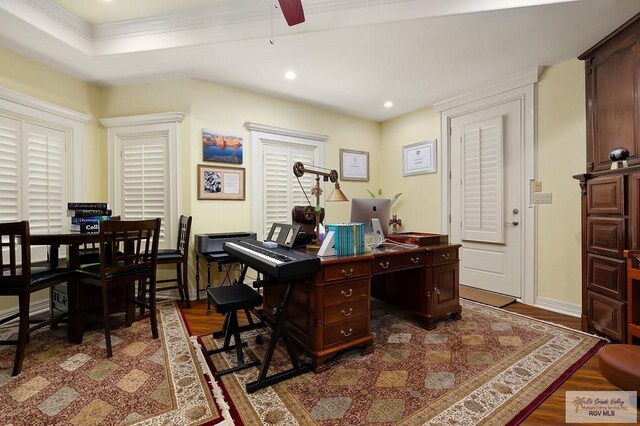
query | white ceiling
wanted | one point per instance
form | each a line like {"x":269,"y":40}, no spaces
{"x":350,"y":55}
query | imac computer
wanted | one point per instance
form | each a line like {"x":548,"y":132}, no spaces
{"x":365,"y":209}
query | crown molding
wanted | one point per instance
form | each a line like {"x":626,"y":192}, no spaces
{"x":41,"y":105}
{"x":523,"y":78}
{"x":257,"y":127}
{"x":53,"y":11}
{"x":136,"y":120}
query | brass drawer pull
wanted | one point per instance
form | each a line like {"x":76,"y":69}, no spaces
{"x":347,"y":334}
{"x":415,"y":260}
{"x":345,"y":313}
{"x":384,"y":265}
{"x":344,"y":293}
{"x":437,"y":290}
{"x":446,"y":255}
{"x":348,"y":273}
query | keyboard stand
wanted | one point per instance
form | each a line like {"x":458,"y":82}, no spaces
{"x":279,"y":327}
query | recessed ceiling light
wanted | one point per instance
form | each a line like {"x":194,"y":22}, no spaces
{"x":290,"y":75}
{"x":388,"y":104}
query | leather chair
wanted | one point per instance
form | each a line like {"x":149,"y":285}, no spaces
{"x":620,"y":364}
{"x":128,"y":254}
{"x":17,"y":278}
{"x":180,"y":257}
{"x":306,"y":218}
{"x":228,"y":300}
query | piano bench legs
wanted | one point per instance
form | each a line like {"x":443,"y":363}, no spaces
{"x":233,"y":329}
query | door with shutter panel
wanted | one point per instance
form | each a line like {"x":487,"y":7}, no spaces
{"x":486,"y":217}
{"x":281,"y":188}
{"x":144,"y":192}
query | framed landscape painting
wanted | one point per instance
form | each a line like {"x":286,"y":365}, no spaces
{"x":221,"y":148}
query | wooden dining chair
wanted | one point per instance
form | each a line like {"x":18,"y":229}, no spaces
{"x":128,"y":254}
{"x":90,"y":252}
{"x":19,"y":279}
{"x":180,"y":257}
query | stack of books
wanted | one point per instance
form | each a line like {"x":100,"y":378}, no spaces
{"x":86,"y":217}
{"x":348,"y":238}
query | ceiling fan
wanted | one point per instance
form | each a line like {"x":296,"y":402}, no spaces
{"x":292,"y":11}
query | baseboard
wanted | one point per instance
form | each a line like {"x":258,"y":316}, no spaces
{"x":36,"y":307}
{"x":571,"y":309}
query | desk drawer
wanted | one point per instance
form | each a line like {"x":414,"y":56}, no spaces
{"x":607,"y":315}
{"x":344,"y":332}
{"x":346,"y":311}
{"x":607,"y":276}
{"x":605,"y":195}
{"x":606,"y":235}
{"x":446,"y":255}
{"x":347,"y":270}
{"x":381,"y":265}
{"x":346,"y":292}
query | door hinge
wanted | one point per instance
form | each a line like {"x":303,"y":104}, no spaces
{"x":449,"y":218}
{"x":450,"y":174}
{"x":450,"y":130}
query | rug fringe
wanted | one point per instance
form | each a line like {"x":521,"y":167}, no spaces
{"x":539,"y":320}
{"x":215,"y":388}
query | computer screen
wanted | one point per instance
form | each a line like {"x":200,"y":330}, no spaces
{"x":365,"y":209}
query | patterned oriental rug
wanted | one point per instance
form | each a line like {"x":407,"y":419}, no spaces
{"x":146,"y":382}
{"x":492,"y":366}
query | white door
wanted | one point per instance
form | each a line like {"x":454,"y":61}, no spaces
{"x":486,"y":215}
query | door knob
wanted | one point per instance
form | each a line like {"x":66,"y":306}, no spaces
{"x":515,"y":223}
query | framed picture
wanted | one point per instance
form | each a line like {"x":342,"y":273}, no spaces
{"x":354,"y":165}
{"x":220,"y":183}
{"x":221,"y":148}
{"x":419,"y":158}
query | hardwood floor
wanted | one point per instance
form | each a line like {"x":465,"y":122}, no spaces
{"x":551,"y":411}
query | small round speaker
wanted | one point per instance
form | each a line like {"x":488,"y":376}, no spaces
{"x":619,"y":154}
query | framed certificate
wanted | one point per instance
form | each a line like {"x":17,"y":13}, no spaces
{"x":419,"y":158}
{"x":354,"y":165}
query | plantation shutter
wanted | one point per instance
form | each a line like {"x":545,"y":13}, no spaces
{"x":281,"y":188}
{"x":144,"y":180}
{"x":9,"y":170}
{"x":46,"y":182}
{"x":482,"y":181}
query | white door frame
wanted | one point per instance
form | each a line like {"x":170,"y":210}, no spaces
{"x":517,"y":87}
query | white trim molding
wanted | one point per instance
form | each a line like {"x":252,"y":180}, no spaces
{"x":522,"y":87}
{"x":265,"y":128}
{"x":162,"y":124}
{"x":571,"y":309}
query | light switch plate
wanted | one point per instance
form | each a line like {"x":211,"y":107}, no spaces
{"x":542,"y":198}
{"x":537,"y":186}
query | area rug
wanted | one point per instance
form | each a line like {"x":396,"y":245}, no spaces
{"x":146,"y":382}
{"x":490,"y":367}
{"x":486,"y":297}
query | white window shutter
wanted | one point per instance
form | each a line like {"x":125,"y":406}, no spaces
{"x":144,"y":180}
{"x":46,"y":182}
{"x":281,"y":188}
{"x":482,"y":181}
{"x":9,"y":170}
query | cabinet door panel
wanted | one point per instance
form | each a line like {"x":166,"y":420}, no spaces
{"x":606,"y":275}
{"x":605,"y":195}
{"x":606,"y":236}
{"x":445,"y":288}
{"x":606,"y":315}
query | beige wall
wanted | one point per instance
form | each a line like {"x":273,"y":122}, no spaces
{"x":561,"y":153}
{"x":419,"y":205}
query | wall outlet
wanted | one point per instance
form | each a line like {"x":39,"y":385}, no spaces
{"x":542,"y":198}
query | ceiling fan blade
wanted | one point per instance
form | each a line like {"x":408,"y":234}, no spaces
{"x":292,"y":11}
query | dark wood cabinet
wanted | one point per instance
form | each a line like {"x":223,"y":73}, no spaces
{"x":610,"y":197}
{"x":612,"y":67}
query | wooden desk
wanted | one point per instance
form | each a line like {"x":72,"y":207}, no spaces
{"x":332,"y":311}
{"x":633,"y":296}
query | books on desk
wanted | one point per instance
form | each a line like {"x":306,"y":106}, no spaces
{"x":349,"y":238}
{"x":86,"y":216}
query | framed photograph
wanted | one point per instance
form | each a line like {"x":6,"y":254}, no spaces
{"x":220,"y":183}
{"x":419,"y":158}
{"x":354,"y":165}
{"x":221,"y":148}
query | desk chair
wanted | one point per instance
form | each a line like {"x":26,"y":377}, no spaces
{"x":179,"y":256}
{"x":228,"y":300}
{"x":21,"y":281}
{"x":306,"y":218}
{"x":128,"y":253}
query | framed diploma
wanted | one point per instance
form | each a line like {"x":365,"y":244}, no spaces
{"x":354,"y":165}
{"x":220,"y":183}
{"x":419,"y":158}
